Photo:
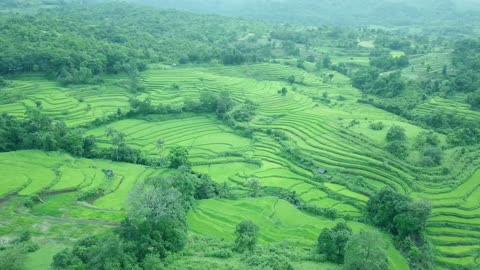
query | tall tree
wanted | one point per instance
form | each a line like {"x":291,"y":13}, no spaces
{"x":331,"y":242}
{"x":178,"y":157}
{"x":153,"y":199}
{"x":246,"y":236}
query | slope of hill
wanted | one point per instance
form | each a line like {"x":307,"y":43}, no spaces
{"x":289,"y":127}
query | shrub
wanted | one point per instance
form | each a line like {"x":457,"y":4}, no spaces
{"x":269,"y":261}
{"x":427,"y":139}
{"x":30,"y":201}
{"x":283,"y":91}
{"x":220,"y":253}
{"x":396,"y":133}
{"x":90,"y":194}
{"x":398,"y":149}
{"x":291,"y":79}
{"x":245,"y":113}
{"x":377,"y":126}
{"x":12,"y":259}
{"x":432,"y":156}
{"x":331,"y":213}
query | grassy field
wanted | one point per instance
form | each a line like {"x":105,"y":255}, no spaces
{"x":334,"y":135}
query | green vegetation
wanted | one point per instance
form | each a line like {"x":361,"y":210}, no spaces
{"x":13,"y":253}
{"x":138,"y":138}
{"x":405,"y":219}
{"x":365,"y":251}
{"x":332,"y":242}
{"x":247,"y":234}
{"x":155,"y":227}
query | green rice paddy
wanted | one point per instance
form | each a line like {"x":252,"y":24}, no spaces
{"x":320,"y":131}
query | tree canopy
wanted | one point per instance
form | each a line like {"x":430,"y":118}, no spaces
{"x":331,"y":243}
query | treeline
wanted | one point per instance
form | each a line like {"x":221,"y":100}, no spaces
{"x":234,"y":114}
{"x":37,"y":131}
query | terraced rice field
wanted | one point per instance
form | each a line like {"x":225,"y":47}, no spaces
{"x":436,"y":60}
{"x":205,"y":136}
{"x":75,"y":106}
{"x":280,"y":222}
{"x":32,"y":172}
{"x":321,"y":132}
{"x":450,"y":106}
{"x":453,"y":227}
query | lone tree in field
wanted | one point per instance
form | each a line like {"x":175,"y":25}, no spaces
{"x":154,"y":199}
{"x":178,"y":157}
{"x":396,"y":133}
{"x":366,"y":251}
{"x":255,"y":187}
{"x":291,"y":79}
{"x":327,"y":62}
{"x":332,"y":242}
{"x":118,"y":140}
{"x":247,"y":236}
{"x":160,"y":143}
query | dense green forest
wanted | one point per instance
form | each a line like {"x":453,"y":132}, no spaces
{"x":290,"y":135}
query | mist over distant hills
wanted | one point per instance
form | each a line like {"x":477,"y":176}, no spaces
{"x":335,"y":12}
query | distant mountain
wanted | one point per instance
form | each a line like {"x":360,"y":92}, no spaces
{"x":337,"y":12}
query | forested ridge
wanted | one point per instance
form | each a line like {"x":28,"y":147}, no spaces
{"x":80,"y":43}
